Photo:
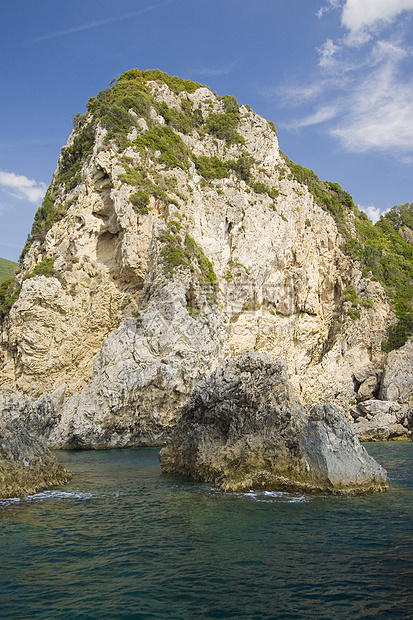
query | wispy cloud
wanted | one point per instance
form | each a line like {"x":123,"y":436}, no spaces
{"x":327,"y":52}
{"x":322,"y":115}
{"x":296,"y":95}
{"x":331,"y":4}
{"x":214,"y":71}
{"x":362,"y":89}
{"x":97,"y":23}
{"x":19,"y":186}
{"x":360,"y":17}
{"x":378,"y":115}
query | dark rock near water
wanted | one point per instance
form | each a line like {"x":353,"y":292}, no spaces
{"x":374,"y":407}
{"x":380,"y":421}
{"x":244,"y":428}
{"x":26,"y":464}
{"x":367,"y":383}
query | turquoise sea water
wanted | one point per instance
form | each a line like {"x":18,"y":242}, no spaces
{"x":124,"y":540}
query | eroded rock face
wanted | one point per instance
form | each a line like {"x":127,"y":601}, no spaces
{"x":244,"y":428}
{"x":26,"y":464}
{"x":129,"y":335}
{"x":147,"y":367}
{"x":397,"y":381}
{"x":379,"y":420}
{"x":385,"y":398}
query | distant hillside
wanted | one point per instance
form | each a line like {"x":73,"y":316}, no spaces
{"x":7,"y":269}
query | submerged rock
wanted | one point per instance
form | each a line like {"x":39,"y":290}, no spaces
{"x":244,"y":428}
{"x":26,"y":464}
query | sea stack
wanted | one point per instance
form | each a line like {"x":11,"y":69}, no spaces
{"x":244,"y":428}
{"x":26,"y":464}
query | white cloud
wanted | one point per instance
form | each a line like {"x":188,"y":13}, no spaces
{"x":363,"y":14}
{"x":21,"y":187}
{"x":378,"y":115}
{"x":372,"y":212}
{"x":389,"y":52}
{"x":332,"y":4}
{"x":299,"y":94}
{"x":322,"y":115}
{"x":363,"y":97}
{"x":327,"y":52}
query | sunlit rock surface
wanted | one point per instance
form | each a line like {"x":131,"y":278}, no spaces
{"x":144,"y":303}
{"x":244,"y":428}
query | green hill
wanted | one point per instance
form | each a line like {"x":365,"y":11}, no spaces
{"x":7,"y":269}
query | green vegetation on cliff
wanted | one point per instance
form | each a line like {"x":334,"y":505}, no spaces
{"x":50,"y":211}
{"x":133,"y":117}
{"x":173,"y":153}
{"x":7,"y":297}
{"x":137,"y":176}
{"x":330,"y":196}
{"x":384,"y":249}
{"x":214,"y":168}
{"x":224,"y":125}
{"x":185,"y":252}
{"x":119,"y":110}
{"x":73,"y":157}
{"x":9,"y":294}
{"x":7,"y":269}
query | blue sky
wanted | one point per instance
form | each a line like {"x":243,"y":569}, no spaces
{"x":335,"y":76}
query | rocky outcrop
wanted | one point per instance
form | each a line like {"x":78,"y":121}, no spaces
{"x":26,"y":464}
{"x":380,"y":428}
{"x":244,"y":428}
{"x":163,"y":268}
{"x":377,"y":420}
{"x":397,"y":381}
{"x":384,"y":398}
{"x":367,"y":383}
{"x":144,"y":371}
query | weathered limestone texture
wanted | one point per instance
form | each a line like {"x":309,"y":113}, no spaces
{"x":385,"y":398}
{"x":142,"y":304}
{"x":397,"y":381}
{"x":244,"y":428}
{"x":26,"y":464}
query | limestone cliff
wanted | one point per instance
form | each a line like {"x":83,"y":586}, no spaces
{"x":174,"y":235}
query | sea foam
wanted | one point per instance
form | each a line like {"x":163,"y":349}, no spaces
{"x":44,"y":495}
